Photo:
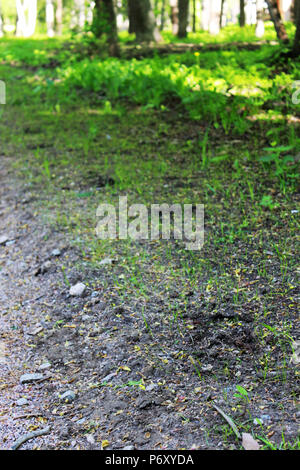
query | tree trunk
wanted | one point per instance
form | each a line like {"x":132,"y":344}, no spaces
{"x":50,"y":18}
{"x":162,"y":15}
{"x":296,"y":46}
{"x":174,"y":16}
{"x":59,"y":16}
{"x":104,"y":22}
{"x":194,"y":15}
{"x":214,"y":16}
{"x":277,"y":20}
{"x":205,"y":15}
{"x":142,"y":21}
{"x":80,"y":11}
{"x":294,"y":12}
{"x":242,"y":17}
{"x":183,"y":7}
{"x":32,"y":15}
{"x":222,"y":14}
{"x":26,"y":23}
{"x":20,"y":27}
{"x":260,"y":26}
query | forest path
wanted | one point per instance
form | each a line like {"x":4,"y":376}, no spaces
{"x":77,"y":346}
{"x":22,"y":407}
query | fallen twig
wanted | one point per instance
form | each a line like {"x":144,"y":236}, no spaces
{"x":28,"y":436}
{"x":229,"y":421}
{"x":28,"y":415}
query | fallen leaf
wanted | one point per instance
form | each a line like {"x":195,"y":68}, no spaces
{"x":248,"y":442}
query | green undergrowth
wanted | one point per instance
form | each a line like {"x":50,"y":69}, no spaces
{"x":224,"y":88}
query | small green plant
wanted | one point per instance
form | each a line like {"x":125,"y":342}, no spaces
{"x":63,"y":270}
{"x":267,"y":201}
{"x":241,"y":394}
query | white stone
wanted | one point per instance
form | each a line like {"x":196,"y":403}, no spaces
{"x":78,"y":289}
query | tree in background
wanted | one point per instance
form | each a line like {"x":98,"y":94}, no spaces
{"x":26,"y":17}
{"x":50,"y":18}
{"x":162,"y":15}
{"x":222,"y":13}
{"x":78,"y":14}
{"x":142,"y":21}
{"x":277,"y":20}
{"x":260,"y":26}
{"x":183,"y":16}
{"x":213,"y":14}
{"x":194,"y":16}
{"x":296,"y":46}
{"x":214,"y":17}
{"x":59,"y":16}
{"x":104,"y":23}
{"x":174,"y":16}
{"x":242,"y":17}
{"x":211,"y":11}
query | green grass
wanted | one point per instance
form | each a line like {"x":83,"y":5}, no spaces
{"x":217,"y":128}
{"x":231,"y":33}
{"x":224,"y":88}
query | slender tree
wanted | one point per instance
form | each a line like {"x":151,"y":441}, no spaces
{"x":50,"y":18}
{"x":214,"y":16}
{"x":80,"y":13}
{"x":104,"y":23}
{"x":162,"y":14}
{"x":260,"y":26}
{"x":142,"y":21}
{"x":26,"y":17}
{"x":183,"y":15}
{"x":277,"y":20}
{"x":242,"y":17}
{"x":194,"y":17}
{"x":59,"y":16}
{"x":174,"y":16}
{"x":296,"y":46}
{"x":205,"y":12}
{"x":222,"y":13}
{"x":293,"y":11}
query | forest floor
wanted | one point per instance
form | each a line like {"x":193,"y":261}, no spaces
{"x":162,"y":338}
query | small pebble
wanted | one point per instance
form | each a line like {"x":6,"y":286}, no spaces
{"x":3,"y":239}
{"x":56,"y":252}
{"x":27,"y":378}
{"x":90,"y":438}
{"x":22,"y":402}
{"x":150,"y":387}
{"x":81,"y":421}
{"x":44,"y":366}
{"x":106,"y":261}
{"x":78,"y":289}
{"x":68,"y":396}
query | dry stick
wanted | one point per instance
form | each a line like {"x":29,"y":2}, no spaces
{"x":28,"y":436}
{"x":229,"y":421}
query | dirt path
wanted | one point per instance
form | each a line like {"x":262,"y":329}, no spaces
{"x":124,"y":387}
{"x":19,"y":293}
{"x":119,"y":401}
